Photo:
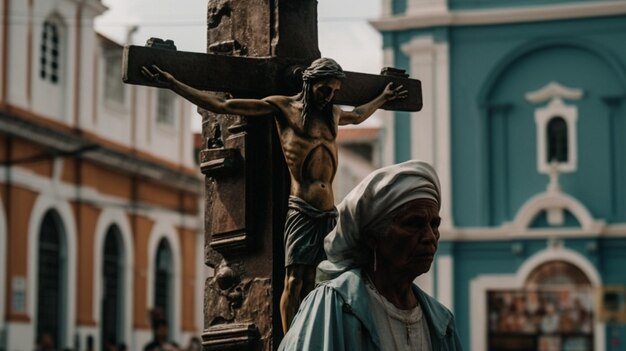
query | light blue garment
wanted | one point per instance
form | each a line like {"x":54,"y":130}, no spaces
{"x":336,"y":316}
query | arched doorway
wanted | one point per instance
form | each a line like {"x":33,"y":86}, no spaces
{"x":112,"y":321}
{"x":552,"y":311}
{"x":163,"y":282}
{"x":52,"y":280}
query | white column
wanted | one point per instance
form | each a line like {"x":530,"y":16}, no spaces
{"x":3,"y":270}
{"x":425,"y":282}
{"x":386,"y":9}
{"x":20,"y":335}
{"x":445,"y":283}
{"x":388,"y":118}
{"x":422,"y":7}
{"x":430,"y":127}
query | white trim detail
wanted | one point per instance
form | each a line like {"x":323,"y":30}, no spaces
{"x":4,"y":243}
{"x":19,"y":336}
{"x":543,"y":116}
{"x":502,"y":233}
{"x":495,"y":16}
{"x":550,"y":201}
{"x":200,"y":281}
{"x":166,"y":230}
{"x":553,"y":90}
{"x":483,"y":283}
{"x":430,"y":127}
{"x":445,"y":282}
{"x":386,"y":9}
{"x":107,"y":218}
{"x":89,"y":195}
{"x":420,"y":7}
{"x":388,"y":120}
{"x":42,"y":205}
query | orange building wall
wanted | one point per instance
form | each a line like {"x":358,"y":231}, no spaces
{"x":141,"y":234}
{"x":18,"y":214}
{"x":106,"y":180}
{"x":187,"y":240}
{"x":22,"y":150}
{"x":86,"y":218}
{"x":158,"y":194}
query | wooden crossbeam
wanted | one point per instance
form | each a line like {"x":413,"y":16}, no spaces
{"x":251,"y":77}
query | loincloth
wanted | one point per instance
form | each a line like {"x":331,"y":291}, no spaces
{"x":305,"y":229}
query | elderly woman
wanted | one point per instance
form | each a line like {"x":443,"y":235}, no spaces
{"x":386,"y":236}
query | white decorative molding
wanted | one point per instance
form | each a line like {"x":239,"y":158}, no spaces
{"x":421,"y":7}
{"x":480,"y":285}
{"x":430,"y":127}
{"x":68,"y":192}
{"x":20,"y":335}
{"x":83,"y":332}
{"x":388,"y":118}
{"x":495,"y":16}
{"x":107,"y":218}
{"x":426,"y":282}
{"x":554,"y":90}
{"x":166,"y":230}
{"x":42,"y":205}
{"x":556,"y":108}
{"x":4,"y":243}
{"x":445,"y":282}
{"x":140,"y":338}
{"x":200,"y":279}
{"x":502,"y":233}
{"x":520,"y":227}
{"x":543,"y":116}
{"x":386,"y":8}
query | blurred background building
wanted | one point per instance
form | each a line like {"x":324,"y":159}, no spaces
{"x":359,"y":151}
{"x":100,"y":195}
{"x":525,"y":119}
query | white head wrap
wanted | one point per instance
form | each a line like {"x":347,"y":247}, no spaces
{"x":368,"y":203}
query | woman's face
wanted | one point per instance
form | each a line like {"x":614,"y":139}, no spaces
{"x":409,"y":245}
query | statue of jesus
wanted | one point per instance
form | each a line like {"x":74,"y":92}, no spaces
{"x":307,"y":126}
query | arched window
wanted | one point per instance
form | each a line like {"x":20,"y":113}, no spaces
{"x":557,"y":140}
{"x":556,"y":125}
{"x":50,"y":51}
{"x":111,"y":322}
{"x":163,"y":280}
{"x":52,"y":277}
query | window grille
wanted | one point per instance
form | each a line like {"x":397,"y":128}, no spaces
{"x":50,"y":277}
{"x":163,"y":278}
{"x":50,"y":50}
{"x":111,"y":300}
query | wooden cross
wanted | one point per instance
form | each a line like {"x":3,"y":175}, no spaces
{"x":252,"y":77}
{"x":256,"y":48}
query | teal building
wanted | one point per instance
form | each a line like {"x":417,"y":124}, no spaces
{"x":525,"y":119}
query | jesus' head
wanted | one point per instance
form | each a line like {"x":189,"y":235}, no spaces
{"x":321,"y":81}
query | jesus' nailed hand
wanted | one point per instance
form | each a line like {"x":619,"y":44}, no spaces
{"x":307,"y":126}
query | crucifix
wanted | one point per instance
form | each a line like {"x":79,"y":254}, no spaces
{"x":259,"y":56}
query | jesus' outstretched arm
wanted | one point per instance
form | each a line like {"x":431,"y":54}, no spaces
{"x":206,"y":100}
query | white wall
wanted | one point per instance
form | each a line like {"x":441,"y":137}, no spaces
{"x":57,"y":101}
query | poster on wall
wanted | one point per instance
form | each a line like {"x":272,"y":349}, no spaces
{"x":549,"y":319}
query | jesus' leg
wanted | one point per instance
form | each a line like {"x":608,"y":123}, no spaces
{"x":299,"y":281}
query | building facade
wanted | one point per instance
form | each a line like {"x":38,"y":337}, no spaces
{"x":100,"y":218}
{"x":525,"y":119}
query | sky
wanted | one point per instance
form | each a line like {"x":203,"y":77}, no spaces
{"x":343,"y":31}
